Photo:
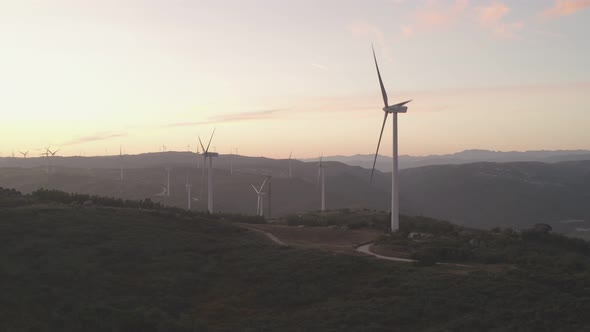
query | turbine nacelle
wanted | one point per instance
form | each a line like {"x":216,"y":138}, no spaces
{"x":397,"y":108}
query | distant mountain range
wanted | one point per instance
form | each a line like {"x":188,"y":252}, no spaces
{"x":482,"y":194}
{"x":464,"y":157}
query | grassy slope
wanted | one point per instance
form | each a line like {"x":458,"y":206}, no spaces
{"x":68,"y":268}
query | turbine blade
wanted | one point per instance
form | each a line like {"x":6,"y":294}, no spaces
{"x":256,"y":190}
{"x":383,"y":92}
{"x":263,"y":183}
{"x":378,"y":145}
{"x":403,"y":103}
{"x":201,"y":143}
{"x":210,"y":139}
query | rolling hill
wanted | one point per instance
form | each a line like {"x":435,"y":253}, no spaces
{"x":482,"y":195}
{"x":463,"y":157}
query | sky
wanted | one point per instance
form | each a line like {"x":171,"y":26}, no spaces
{"x":275,"y":76}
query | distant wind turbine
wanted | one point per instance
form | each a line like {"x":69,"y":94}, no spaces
{"x":290,"y":166}
{"x":52,"y":153}
{"x":188,"y":193}
{"x":24,"y":153}
{"x":394,"y":110}
{"x":168,"y":181}
{"x":210,"y":155}
{"x":121,"y":163}
{"x":231,"y":164}
{"x":260,"y":193}
{"x":46,"y":154}
{"x":322,"y":178}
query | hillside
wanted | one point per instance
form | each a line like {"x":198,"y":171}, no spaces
{"x":96,"y":268}
{"x":517,"y":195}
{"x":483,"y":195}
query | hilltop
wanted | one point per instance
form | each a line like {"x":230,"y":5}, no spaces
{"x":463,"y":157}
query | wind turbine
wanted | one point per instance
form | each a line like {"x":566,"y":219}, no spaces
{"x":24,"y":153}
{"x":260,"y":193}
{"x":231,"y":164}
{"x":290,"y":166}
{"x":121,"y":163}
{"x":394,"y":110}
{"x":163,"y":192}
{"x":210,"y":155}
{"x":46,"y":154}
{"x":322,"y":178}
{"x":188,"y":193}
{"x":52,"y":153}
{"x":168,"y":181}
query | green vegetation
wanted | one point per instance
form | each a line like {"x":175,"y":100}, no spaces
{"x":434,"y":241}
{"x":351,"y":219}
{"x":78,"y":267}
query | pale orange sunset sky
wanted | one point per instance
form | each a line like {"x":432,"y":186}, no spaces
{"x":275,"y":76}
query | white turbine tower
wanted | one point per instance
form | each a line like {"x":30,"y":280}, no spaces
{"x":393,"y":109}
{"x":188,"y":193}
{"x":231,"y":164}
{"x":120,"y":163}
{"x":210,"y":155}
{"x":260,"y":193}
{"x":290,"y":166}
{"x":322,"y":178}
{"x":168,"y":181}
{"x":46,"y":154}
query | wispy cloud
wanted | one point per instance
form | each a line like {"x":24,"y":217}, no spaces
{"x":493,"y":17}
{"x":233,"y":117}
{"x":95,"y":137}
{"x":565,"y":8}
{"x":435,"y":15}
{"x":320,"y":66}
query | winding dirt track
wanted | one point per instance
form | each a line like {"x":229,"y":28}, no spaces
{"x":349,"y":246}
{"x":366,"y":249}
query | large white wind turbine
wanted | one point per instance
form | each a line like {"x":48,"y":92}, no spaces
{"x":322,"y":178}
{"x":394,"y":110}
{"x":260,"y":193}
{"x":210,"y":155}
